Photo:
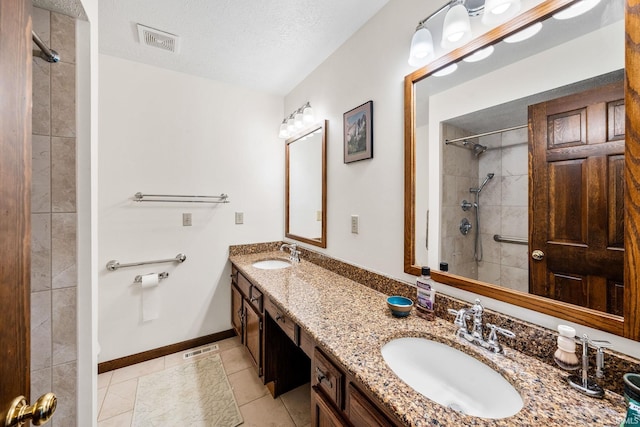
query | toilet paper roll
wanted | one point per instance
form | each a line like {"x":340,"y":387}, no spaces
{"x":150,"y":297}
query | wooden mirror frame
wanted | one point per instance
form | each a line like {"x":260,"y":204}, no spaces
{"x":322,"y":243}
{"x":627,"y":326}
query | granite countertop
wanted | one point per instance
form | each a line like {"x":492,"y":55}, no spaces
{"x":352,"y":323}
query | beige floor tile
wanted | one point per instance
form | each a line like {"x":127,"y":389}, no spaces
{"x":102,"y":392}
{"x":228,"y":343}
{"x":120,"y":398}
{"x":298,"y":404}
{"x":266,"y":412}
{"x":137,"y":370}
{"x":122,"y":420}
{"x":236,"y":359}
{"x":247,"y":386}
{"x":104,"y":379}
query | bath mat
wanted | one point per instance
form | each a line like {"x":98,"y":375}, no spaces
{"x":191,"y":394}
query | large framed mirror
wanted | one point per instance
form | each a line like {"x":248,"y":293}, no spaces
{"x":306,"y":186}
{"x":473,"y":135}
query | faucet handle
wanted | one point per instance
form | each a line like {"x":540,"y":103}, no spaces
{"x":496,"y":329}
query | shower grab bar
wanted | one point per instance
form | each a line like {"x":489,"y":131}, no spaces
{"x":114,"y":265}
{"x":478,"y":135}
{"x":161,"y":276}
{"x":515,"y":240}
{"x":47,"y":54}
{"x":139,"y":197}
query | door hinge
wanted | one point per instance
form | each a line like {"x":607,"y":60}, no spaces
{"x":259,"y":372}
{"x":261,"y":325}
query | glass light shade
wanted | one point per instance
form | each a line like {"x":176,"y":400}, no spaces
{"x":446,"y":70}
{"x":479,"y":55}
{"x":528,"y":32}
{"x":284,"y":133}
{"x":297,"y":120}
{"x":307,"y":114}
{"x":421,"y":47}
{"x":457,"y":27}
{"x":499,"y":11}
{"x":576,"y":9}
{"x":291,"y":125}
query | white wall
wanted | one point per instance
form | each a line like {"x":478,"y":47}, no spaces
{"x":372,"y":65}
{"x":163,"y":132}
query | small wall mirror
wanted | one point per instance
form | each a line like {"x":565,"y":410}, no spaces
{"x":306,"y":186}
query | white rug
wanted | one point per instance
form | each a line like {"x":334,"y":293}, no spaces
{"x":191,"y":394}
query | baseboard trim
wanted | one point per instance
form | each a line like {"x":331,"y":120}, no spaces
{"x":122,"y":362}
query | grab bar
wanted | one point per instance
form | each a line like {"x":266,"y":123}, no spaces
{"x":515,"y":240}
{"x":139,"y":197}
{"x":114,"y":265}
{"x":161,"y":276}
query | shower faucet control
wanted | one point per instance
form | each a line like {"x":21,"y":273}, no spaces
{"x":465,"y":205}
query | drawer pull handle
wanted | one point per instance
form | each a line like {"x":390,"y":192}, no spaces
{"x":280,"y":318}
{"x":320,"y":376}
{"x":254,"y":299}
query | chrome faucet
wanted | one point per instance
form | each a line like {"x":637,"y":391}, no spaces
{"x":294,"y":253}
{"x":477,"y":335}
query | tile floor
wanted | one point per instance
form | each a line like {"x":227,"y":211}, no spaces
{"x":117,"y":391}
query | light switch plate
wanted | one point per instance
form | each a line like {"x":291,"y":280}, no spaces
{"x":187,"y":220}
{"x":318,"y":215}
{"x":239,"y":217}
{"x":354,"y":224}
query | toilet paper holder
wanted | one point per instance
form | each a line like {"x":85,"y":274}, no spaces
{"x":161,"y":276}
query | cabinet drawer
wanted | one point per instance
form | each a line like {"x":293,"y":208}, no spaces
{"x":306,"y":343}
{"x":286,"y":324}
{"x":255,"y":298}
{"x":234,"y":274}
{"x":244,"y":285}
{"x":328,"y":378}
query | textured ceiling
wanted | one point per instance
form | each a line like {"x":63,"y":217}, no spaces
{"x":65,"y":7}
{"x":268,"y":45}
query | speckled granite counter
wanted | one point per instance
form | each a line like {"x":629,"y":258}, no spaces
{"x":351,"y":322}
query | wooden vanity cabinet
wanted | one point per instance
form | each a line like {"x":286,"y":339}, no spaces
{"x":247,"y":317}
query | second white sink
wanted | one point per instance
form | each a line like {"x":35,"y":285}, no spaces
{"x":452,"y":378}
{"x":271,"y":264}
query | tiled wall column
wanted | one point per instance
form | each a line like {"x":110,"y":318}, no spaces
{"x":54,"y":219}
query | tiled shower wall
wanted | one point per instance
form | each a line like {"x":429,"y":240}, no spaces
{"x":503,"y":207}
{"x":460,"y":172}
{"x":54,"y":219}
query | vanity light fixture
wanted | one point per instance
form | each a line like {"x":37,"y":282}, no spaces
{"x":295,"y":121}
{"x":456,"y":29}
{"x":576,"y":9}
{"x":527,"y":33}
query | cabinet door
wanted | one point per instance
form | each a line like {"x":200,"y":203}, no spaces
{"x":236,"y":311}
{"x":323,"y":414}
{"x":363,"y":413}
{"x":253,"y":335}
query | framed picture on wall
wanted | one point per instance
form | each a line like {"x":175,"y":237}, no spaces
{"x":358,"y":133}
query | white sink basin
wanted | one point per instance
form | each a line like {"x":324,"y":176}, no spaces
{"x":271,"y":264}
{"x":451,"y":378}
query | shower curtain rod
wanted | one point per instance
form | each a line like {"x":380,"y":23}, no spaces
{"x":47,"y":54}
{"x":450,"y":141}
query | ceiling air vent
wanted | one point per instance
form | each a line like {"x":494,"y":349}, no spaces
{"x":156,"y":38}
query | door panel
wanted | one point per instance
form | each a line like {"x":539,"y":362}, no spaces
{"x":577,"y":198}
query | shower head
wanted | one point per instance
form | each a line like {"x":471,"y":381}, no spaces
{"x":479,"y":149}
{"x":478,"y":190}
